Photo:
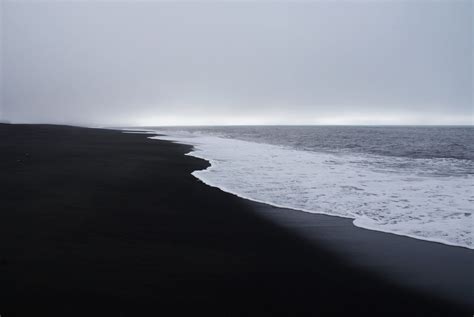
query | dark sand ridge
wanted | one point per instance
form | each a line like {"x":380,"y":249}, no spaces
{"x":101,"y":223}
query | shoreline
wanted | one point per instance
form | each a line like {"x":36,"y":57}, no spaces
{"x":268,"y":203}
{"x":212,"y":164}
{"x":99,"y":222}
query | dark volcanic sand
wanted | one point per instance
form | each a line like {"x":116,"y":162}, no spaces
{"x":101,"y":223}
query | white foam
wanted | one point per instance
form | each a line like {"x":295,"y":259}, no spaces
{"x":404,"y":202}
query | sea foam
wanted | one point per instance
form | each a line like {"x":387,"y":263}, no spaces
{"x":407,"y":202}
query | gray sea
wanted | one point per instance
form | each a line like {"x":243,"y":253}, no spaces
{"x":407,"y":180}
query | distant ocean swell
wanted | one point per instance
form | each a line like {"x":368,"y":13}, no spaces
{"x":367,"y":188}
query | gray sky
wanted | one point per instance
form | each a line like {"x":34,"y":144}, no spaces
{"x":240,"y":62}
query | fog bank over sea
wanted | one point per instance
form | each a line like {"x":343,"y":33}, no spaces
{"x":237,"y":62}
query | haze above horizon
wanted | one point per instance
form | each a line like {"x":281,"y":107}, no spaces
{"x":155,"y":63}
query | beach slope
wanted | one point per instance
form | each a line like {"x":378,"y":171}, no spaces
{"x":99,"y":223}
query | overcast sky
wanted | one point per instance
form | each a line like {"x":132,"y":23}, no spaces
{"x":241,"y":62}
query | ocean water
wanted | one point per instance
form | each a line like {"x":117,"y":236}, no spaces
{"x":412,"y":181}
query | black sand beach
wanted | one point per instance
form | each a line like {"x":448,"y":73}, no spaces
{"x":101,"y":223}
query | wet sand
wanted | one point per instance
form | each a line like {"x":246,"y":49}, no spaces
{"x":430,"y":267}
